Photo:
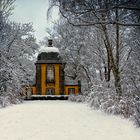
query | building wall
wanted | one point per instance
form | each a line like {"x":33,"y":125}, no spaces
{"x":61,"y":79}
{"x":43,"y":79}
{"x":58,"y":85}
{"x":34,"y":90}
{"x":66,"y":88}
{"x":44,"y":84}
{"x":38,"y":78}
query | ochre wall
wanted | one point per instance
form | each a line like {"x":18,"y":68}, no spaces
{"x":72,"y":86}
{"x":44,"y":85}
{"x":34,"y":90}
{"x":55,"y":85}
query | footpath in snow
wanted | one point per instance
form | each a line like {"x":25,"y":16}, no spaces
{"x":62,"y":120}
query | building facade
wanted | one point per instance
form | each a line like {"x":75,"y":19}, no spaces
{"x":50,"y":75}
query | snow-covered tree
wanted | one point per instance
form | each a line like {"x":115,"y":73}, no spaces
{"x":17,"y":50}
{"x":106,"y":32}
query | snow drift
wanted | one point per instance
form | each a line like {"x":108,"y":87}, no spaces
{"x":62,"y":120}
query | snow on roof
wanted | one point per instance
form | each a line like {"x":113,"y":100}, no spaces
{"x":49,"y":49}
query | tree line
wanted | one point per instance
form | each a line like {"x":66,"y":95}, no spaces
{"x":100,"y":40}
{"x":17,"y":51}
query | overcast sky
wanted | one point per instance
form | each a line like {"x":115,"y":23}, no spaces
{"x":34,"y":11}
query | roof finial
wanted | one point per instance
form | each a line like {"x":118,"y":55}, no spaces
{"x":49,"y":42}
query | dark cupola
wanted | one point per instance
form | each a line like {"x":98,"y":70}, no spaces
{"x":49,"y":54}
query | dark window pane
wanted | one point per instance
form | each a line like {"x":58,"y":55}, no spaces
{"x":50,"y":91}
{"x":71,"y":90}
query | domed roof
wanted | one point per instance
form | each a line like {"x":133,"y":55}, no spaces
{"x":49,"y":54}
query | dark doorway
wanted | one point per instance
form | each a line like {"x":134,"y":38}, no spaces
{"x":50,"y":91}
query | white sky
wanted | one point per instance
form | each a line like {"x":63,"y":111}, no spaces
{"x":34,"y":11}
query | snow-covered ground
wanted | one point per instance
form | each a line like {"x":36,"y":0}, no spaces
{"x":62,"y":120}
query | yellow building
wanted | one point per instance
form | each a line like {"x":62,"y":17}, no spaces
{"x":50,"y":77}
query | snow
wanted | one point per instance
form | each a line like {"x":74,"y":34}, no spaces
{"x":49,"y":49}
{"x":62,"y":120}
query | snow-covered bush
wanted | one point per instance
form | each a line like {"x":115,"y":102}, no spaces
{"x":136,"y":115}
{"x":77,"y":98}
{"x":104,"y":98}
{"x":7,"y":99}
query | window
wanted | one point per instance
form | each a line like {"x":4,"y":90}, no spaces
{"x":50,"y":73}
{"x":71,"y":90}
{"x":50,"y":91}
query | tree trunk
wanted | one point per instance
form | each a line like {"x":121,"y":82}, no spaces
{"x":100,"y":73}
{"x":108,"y":68}
{"x":118,"y":83}
{"x":112,"y":64}
{"x":117,"y":73}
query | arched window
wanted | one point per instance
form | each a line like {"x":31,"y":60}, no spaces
{"x":50,"y":73}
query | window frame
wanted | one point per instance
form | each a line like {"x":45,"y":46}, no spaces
{"x":49,"y":91}
{"x":72,"y":89}
{"x":49,"y":80}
